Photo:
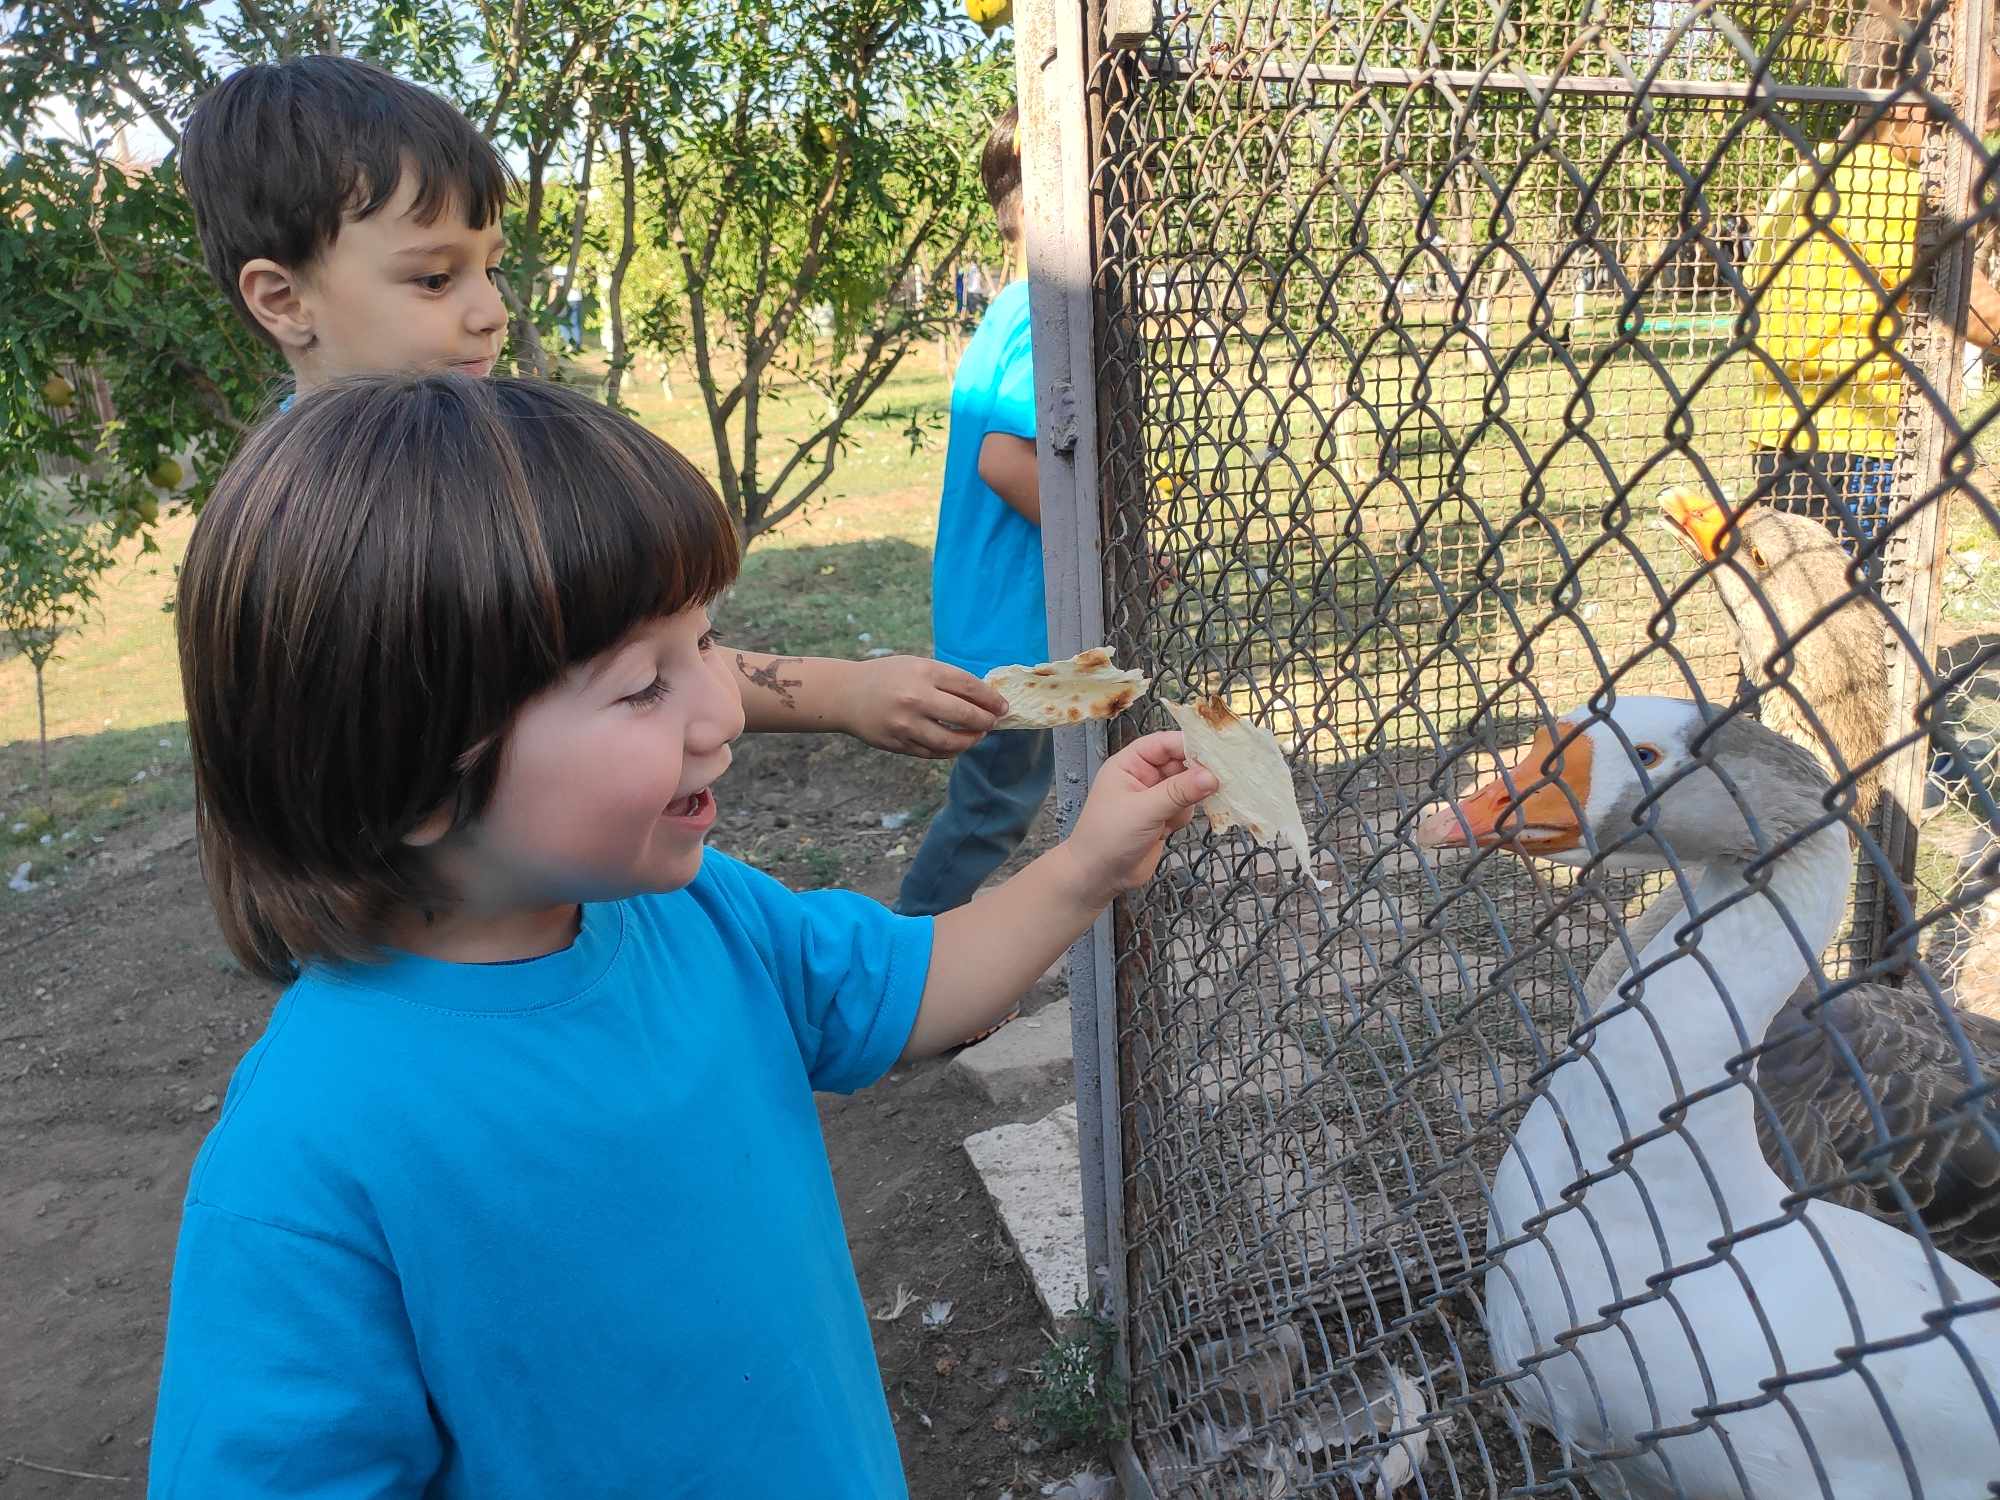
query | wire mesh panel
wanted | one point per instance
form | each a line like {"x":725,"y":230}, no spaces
{"x":1552,"y":421}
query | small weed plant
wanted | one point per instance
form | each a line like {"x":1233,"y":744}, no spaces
{"x":1078,"y":1396}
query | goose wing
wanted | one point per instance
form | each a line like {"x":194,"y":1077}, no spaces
{"x":1899,"y":1043}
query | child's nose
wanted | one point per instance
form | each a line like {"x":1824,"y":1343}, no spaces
{"x":719,"y":718}
{"x":489,"y":312}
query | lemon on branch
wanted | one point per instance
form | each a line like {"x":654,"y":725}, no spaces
{"x":991,"y":14}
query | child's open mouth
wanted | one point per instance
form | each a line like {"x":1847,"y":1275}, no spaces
{"x":695,"y":807}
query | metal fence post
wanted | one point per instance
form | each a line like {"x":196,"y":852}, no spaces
{"x":1051,"y":68}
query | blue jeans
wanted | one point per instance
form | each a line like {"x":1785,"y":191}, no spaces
{"x":997,"y":787}
{"x":1851,"y":494}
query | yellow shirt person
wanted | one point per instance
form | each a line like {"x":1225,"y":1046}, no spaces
{"x":1823,"y":306}
{"x":1829,"y":252}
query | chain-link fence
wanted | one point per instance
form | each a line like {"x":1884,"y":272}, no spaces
{"x":1615,"y":1118}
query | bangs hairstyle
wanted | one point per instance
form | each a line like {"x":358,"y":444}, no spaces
{"x":275,"y":155}
{"x":1000,"y":171}
{"x":383,"y":577}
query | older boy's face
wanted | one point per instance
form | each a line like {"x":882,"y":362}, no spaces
{"x":604,"y":786}
{"x":393,"y":294}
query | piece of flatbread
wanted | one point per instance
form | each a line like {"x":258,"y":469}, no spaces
{"x":1087,"y":686}
{"x":1256,"y":793}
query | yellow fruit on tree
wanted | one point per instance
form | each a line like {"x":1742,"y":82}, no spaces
{"x":991,"y":14}
{"x":147,"y":510}
{"x":167,"y":474}
{"x":57,"y":393}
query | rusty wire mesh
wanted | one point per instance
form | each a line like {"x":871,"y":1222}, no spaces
{"x":1406,"y":315}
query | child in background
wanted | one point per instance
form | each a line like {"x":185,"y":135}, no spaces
{"x":354,"y":222}
{"x":988,"y":607}
{"x":522,"y":1192}
{"x":1831,"y":260}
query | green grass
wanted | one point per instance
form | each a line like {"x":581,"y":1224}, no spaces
{"x":855,"y":560}
{"x":855,"y":563}
{"x":117,"y":733}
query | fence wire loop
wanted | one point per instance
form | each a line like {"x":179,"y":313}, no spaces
{"x":1566,"y":426}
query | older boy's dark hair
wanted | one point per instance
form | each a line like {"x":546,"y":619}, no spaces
{"x":276,"y":154}
{"x":383,"y":576}
{"x":1000,"y":171}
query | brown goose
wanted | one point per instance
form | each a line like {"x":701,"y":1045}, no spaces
{"x":1782,"y":573}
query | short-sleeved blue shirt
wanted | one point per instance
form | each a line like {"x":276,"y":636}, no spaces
{"x":988,"y":607}
{"x":560,"y":1227}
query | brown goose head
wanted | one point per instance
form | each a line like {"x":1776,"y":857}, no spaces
{"x":1778,"y":573}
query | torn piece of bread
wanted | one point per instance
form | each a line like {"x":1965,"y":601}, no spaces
{"x":1256,"y":792}
{"x":1087,"y":686}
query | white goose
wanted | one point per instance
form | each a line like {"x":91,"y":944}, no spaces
{"x":1648,"y":1276}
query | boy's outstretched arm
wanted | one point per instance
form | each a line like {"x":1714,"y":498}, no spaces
{"x":986,"y":955}
{"x":909,"y":704}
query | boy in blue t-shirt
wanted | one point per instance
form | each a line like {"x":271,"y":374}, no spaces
{"x":987,"y":602}
{"x":522,"y":1192}
{"x":353,"y":221}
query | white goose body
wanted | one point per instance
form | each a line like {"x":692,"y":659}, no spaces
{"x":1793,"y":1298}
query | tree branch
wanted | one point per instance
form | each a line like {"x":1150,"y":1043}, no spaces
{"x":621,"y":357}
{"x":704,"y":359}
{"x":258,"y":21}
{"x":511,"y":72}
{"x":211,"y":396}
{"x":582,"y":217}
{"x":867,"y":378}
{"x":162,"y":121}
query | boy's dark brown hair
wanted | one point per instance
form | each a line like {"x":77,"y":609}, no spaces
{"x":385,"y":574}
{"x":1000,"y":171}
{"x":276,"y":154}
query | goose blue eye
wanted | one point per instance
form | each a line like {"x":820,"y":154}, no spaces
{"x":1648,"y":756}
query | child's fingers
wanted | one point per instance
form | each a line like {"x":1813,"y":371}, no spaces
{"x":980,"y":694}
{"x":1154,"y":757}
{"x":1174,"y":800}
{"x":932,"y":740}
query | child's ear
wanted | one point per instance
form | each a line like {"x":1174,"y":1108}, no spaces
{"x":433,"y":828}
{"x":276,"y":300}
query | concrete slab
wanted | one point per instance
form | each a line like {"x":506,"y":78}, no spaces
{"x":1035,"y":1179}
{"x":1023,"y":1059}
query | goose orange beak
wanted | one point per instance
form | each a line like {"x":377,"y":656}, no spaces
{"x":1543,"y":821}
{"x":1696,"y":517}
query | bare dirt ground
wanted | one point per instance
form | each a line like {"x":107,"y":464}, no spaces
{"x":121,"y":1016}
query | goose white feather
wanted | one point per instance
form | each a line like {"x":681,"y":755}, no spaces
{"x":1667,"y":1314}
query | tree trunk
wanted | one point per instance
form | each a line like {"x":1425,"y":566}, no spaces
{"x":42,"y":725}
{"x":621,"y":357}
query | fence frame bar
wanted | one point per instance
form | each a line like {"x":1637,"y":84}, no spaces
{"x":1906,"y":776}
{"x":1752,"y":91}
{"x":1058,"y":43}
{"x":1051,"y":61}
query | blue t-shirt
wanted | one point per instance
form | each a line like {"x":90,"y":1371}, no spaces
{"x":987,"y":603}
{"x":561,"y":1227}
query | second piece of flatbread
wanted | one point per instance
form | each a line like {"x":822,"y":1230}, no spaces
{"x":1256,"y":792}
{"x":1087,"y":686}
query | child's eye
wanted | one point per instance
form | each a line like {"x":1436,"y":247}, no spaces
{"x":707,"y":642}
{"x":493,"y":274}
{"x":435,"y":282}
{"x":648,"y":695}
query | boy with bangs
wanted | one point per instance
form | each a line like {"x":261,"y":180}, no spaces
{"x":522,"y":1193}
{"x":354,"y":222}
